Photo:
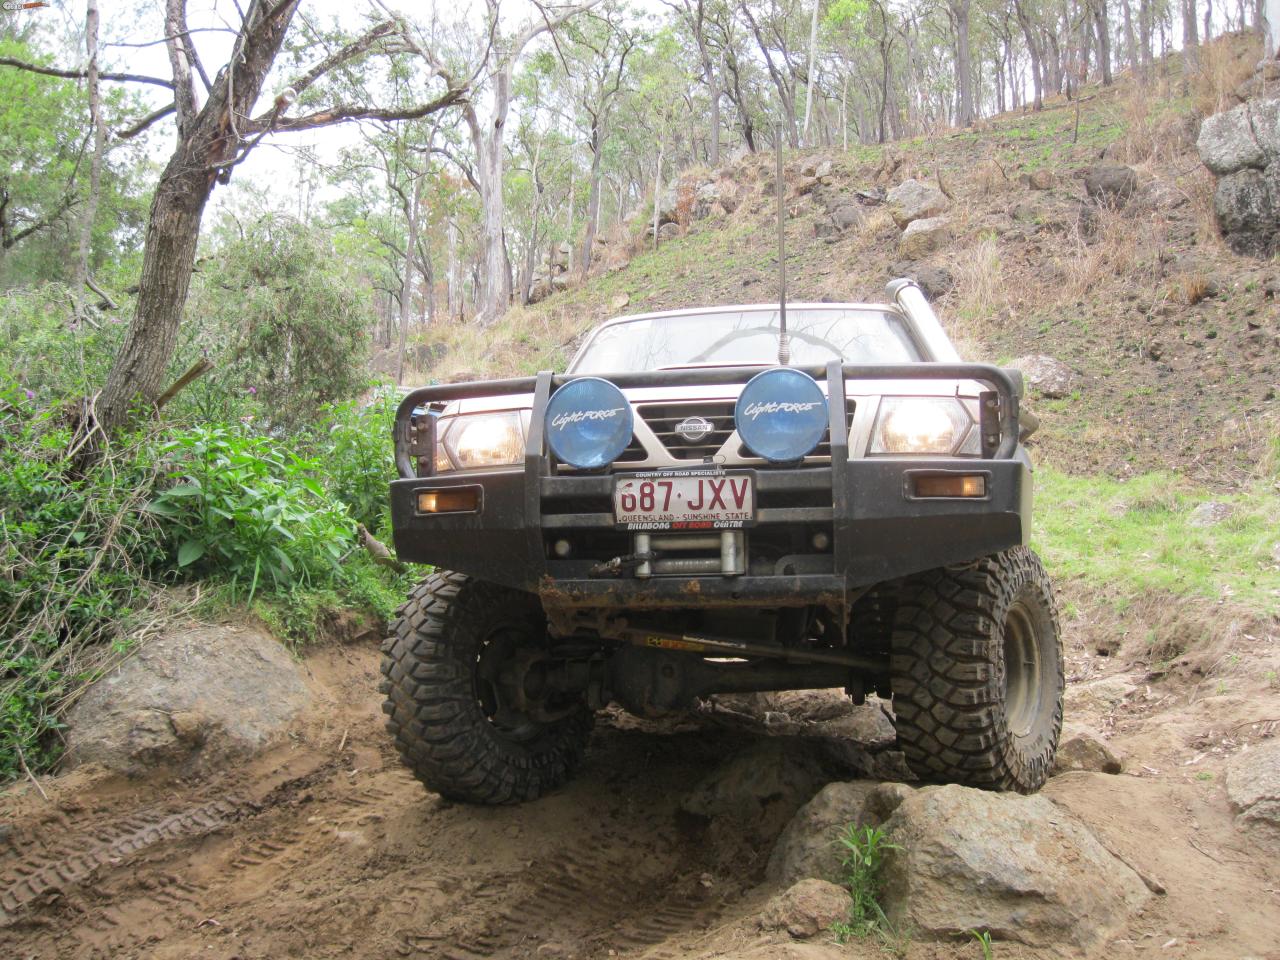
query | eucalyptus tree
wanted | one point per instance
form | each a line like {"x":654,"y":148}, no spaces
{"x":595,"y":49}
{"x":502,"y":47}
{"x":212,"y":140}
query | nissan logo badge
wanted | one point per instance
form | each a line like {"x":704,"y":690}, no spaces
{"x":693,"y":429}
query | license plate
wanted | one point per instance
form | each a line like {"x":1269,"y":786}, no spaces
{"x":684,"y":500}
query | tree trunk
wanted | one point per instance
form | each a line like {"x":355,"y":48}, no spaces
{"x":813,"y":64}
{"x":1102,"y":27}
{"x":173,"y":226}
{"x":657,"y":194}
{"x":406,"y":279}
{"x":1033,"y":51}
{"x":593,"y":203}
{"x":964,"y":66}
{"x":90,"y":209}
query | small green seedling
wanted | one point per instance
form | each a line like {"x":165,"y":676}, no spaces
{"x":984,"y":943}
{"x":862,"y":857}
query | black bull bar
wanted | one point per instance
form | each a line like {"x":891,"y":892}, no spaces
{"x":878,"y":533}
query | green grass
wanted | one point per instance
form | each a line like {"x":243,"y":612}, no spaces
{"x":1136,"y":534}
{"x":863,"y":857}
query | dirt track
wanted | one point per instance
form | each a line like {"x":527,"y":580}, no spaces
{"x":325,"y":847}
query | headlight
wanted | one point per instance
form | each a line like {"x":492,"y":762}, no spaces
{"x":483,"y":440}
{"x":922,"y":425}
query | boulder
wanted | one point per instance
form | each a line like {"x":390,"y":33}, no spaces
{"x":1048,"y":376}
{"x":1082,"y":749}
{"x":806,"y":909}
{"x":1210,"y":513}
{"x":1020,"y":867}
{"x":1227,"y":141}
{"x":846,"y":216}
{"x":1247,"y":206}
{"x":1041,"y":179}
{"x":923,"y":237}
{"x":668,"y":231}
{"x":759,"y":789}
{"x":1110,"y":184}
{"x":810,"y":844}
{"x":187,"y":697}
{"x":620,"y":301}
{"x":1253,"y":784}
{"x":914,"y":200}
{"x":934,"y":280}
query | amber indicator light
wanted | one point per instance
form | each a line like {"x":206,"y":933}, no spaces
{"x":952,"y":485}
{"x":458,"y":500}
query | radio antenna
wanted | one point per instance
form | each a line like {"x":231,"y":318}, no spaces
{"x":784,"y":342}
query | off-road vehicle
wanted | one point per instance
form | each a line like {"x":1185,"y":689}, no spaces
{"x":679,"y":515}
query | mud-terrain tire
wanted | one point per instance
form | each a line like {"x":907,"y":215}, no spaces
{"x":435,"y":714}
{"x":977,"y":673}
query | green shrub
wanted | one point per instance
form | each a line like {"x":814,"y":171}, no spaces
{"x":77,"y":554}
{"x":354,"y":444}
{"x":245,"y":507}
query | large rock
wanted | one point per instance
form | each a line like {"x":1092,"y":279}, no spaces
{"x":810,"y":844}
{"x":1253,"y":784}
{"x":1227,"y":141}
{"x":1019,"y":867}
{"x":1082,"y":749}
{"x":914,"y":200}
{"x":1247,"y":205}
{"x":1110,"y":184}
{"x":1245,"y":136}
{"x":1046,"y":375}
{"x":185,"y":697}
{"x":923,"y":237}
{"x":759,"y":789}
{"x":806,"y":909}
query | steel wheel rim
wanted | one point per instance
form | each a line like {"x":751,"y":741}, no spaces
{"x":1022,"y":671}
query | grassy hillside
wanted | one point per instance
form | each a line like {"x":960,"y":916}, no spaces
{"x":1172,"y":335}
{"x":1174,"y":340}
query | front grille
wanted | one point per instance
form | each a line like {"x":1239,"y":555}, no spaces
{"x":663,"y":418}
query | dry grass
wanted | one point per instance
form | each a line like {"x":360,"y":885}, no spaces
{"x":1223,"y":65}
{"x":981,"y":297}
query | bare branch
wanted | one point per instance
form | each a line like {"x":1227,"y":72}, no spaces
{"x":343,"y":55}
{"x":82,"y":74}
{"x":345,"y":113}
{"x":128,"y":133}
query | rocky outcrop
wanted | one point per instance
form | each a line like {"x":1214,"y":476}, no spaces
{"x":1242,"y":146}
{"x":1253,"y":785}
{"x":914,"y":200}
{"x":1020,"y":867}
{"x":187,"y":697}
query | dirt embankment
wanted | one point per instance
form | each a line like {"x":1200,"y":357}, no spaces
{"x":322,"y":846}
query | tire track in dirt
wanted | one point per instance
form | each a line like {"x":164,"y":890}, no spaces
{"x":595,"y":892}
{"x":76,"y":860}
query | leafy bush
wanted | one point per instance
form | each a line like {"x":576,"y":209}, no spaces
{"x":244,"y":507}
{"x":76,"y":556}
{"x":284,"y":320}
{"x":355,"y":445}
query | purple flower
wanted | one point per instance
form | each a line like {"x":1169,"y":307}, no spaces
{"x":31,"y":394}
{"x":253,"y":391}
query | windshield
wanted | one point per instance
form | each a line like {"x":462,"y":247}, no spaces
{"x":749,"y":336}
